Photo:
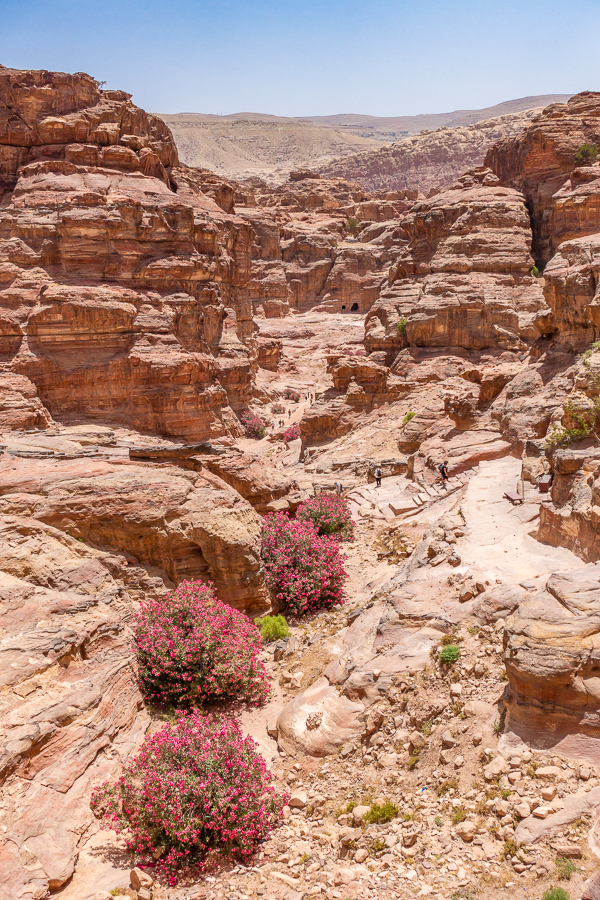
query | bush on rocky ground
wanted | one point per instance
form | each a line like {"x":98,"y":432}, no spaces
{"x":304,"y":571}
{"x":291,"y":434}
{"x":330,"y":515}
{"x":197,"y":785}
{"x":273,"y":628}
{"x":291,"y":394}
{"x":277,"y":408}
{"x":192,"y":649}
{"x":254,"y":427}
{"x":449,"y":654}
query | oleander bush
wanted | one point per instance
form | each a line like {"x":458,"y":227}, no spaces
{"x":196,"y":787}
{"x":330,"y":514}
{"x":277,"y":408}
{"x":291,"y":434}
{"x":193,"y":649}
{"x":304,"y":571}
{"x":291,"y":394}
{"x":254,"y":426}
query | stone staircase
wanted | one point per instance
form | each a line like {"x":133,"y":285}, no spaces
{"x":398,"y":497}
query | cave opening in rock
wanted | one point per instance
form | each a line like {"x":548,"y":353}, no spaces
{"x":354,"y":307}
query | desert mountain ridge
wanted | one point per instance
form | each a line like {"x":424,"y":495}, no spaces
{"x":247,"y":143}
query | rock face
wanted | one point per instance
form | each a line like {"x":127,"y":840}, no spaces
{"x":121,"y":283}
{"x":552,"y":660}
{"x":540,"y":161}
{"x":463,"y":278}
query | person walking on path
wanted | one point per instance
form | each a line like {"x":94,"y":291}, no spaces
{"x":443,"y":468}
{"x":378,"y":477}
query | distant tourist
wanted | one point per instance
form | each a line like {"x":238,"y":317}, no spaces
{"x":377,"y":477}
{"x":443,"y":469}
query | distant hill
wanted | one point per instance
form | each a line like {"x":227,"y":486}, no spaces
{"x":245,"y":144}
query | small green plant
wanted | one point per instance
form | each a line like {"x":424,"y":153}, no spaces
{"x":273,"y":628}
{"x":565,"y":868}
{"x":510,"y":849}
{"x":304,"y":858}
{"x":442,"y":787}
{"x":426,"y":728}
{"x":458,"y":815}
{"x":447,"y":640}
{"x":556,"y":893}
{"x":401,"y":326}
{"x":409,"y":415}
{"x":377,"y":845}
{"x":117,"y":892}
{"x":380,"y":813}
{"x":587,"y":153}
{"x":473,"y":629}
{"x":438,"y":821}
{"x":412,"y":761}
{"x":449,"y":654}
{"x":353,"y":226}
{"x":534,"y":271}
{"x":499,"y":723}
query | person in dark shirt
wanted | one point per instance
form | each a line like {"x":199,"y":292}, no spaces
{"x":378,"y":477}
{"x":444,"y":471}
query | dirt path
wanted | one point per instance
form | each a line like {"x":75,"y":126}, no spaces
{"x":498,"y":539}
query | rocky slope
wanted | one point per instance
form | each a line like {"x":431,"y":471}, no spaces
{"x":429,"y":160}
{"x":243,"y":145}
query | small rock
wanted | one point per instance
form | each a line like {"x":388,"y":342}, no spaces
{"x":477,"y":738}
{"x":568,"y":851}
{"x":459,"y":762}
{"x":314,"y":720}
{"x":140,"y":879}
{"x":447,"y":739}
{"x":359,"y":812}
{"x":542,"y":812}
{"x":548,"y":772}
{"x":479,"y":670}
{"x":445,"y":757}
{"x":103,"y":895}
{"x":549,"y":793}
{"x":144,"y":894}
{"x":456,"y":690}
{"x":298,"y":800}
{"x":466,"y":830}
{"x":523,"y":810}
{"x":494,"y":768}
{"x":584,"y":774}
{"x":360,"y":855}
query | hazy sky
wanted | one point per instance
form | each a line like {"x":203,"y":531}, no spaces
{"x":311,"y":57}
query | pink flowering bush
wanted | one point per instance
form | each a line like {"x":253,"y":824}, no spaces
{"x":254,"y":427}
{"x":330,"y":514}
{"x":303,"y":570}
{"x":291,"y":433}
{"x":191,"y":648}
{"x":196,"y":785}
{"x":277,"y":408}
{"x":291,"y":394}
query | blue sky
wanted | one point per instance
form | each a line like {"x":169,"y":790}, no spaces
{"x":311,"y":57}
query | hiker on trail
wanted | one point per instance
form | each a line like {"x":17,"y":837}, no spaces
{"x":378,"y":477}
{"x":443,"y":469}
{"x":289,"y":413}
{"x":338,"y":488}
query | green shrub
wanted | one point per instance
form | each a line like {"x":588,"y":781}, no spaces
{"x":587,"y":153}
{"x":353,"y":226}
{"x":565,"y":868}
{"x":380,"y":813}
{"x":556,"y":893}
{"x":449,"y":654}
{"x":409,"y":415}
{"x":458,"y":815}
{"x":534,"y":271}
{"x":402,"y":326}
{"x":272,"y":628}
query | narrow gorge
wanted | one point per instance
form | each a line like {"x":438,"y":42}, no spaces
{"x":185,"y":360}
